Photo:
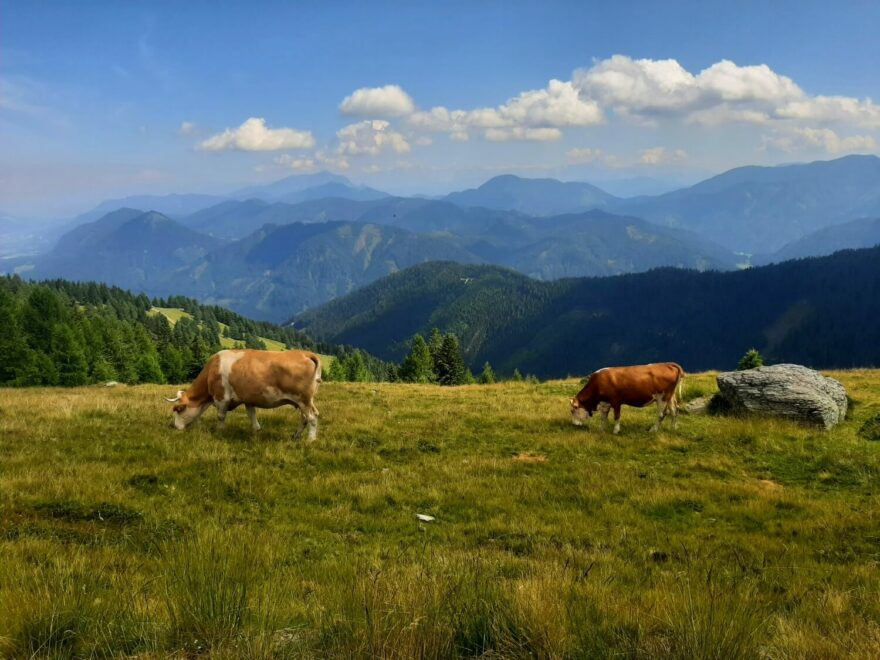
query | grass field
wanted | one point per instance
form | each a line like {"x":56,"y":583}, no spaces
{"x":730,"y":538}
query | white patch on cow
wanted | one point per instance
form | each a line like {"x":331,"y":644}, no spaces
{"x":227,"y":360}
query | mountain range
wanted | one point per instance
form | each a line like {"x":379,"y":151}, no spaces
{"x":273,"y":251}
{"x":823,"y":312}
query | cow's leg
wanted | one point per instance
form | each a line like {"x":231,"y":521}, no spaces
{"x":604,"y":409}
{"x":221,"y":412}
{"x":616,"y":419}
{"x":252,"y":413}
{"x":673,"y":409}
{"x":311,"y":417}
{"x":661,"y":411}
{"x":302,"y":421}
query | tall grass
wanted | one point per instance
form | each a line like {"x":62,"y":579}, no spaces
{"x":729,"y":538}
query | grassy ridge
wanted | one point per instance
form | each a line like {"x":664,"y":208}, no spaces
{"x":729,"y":538}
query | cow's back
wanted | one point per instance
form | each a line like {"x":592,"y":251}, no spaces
{"x":265,"y":377}
{"x":636,"y":385}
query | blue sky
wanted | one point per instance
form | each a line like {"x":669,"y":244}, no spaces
{"x":105,"y":99}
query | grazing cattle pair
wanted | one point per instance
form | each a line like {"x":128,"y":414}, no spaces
{"x":254,"y":379}
{"x":612,"y":387}
{"x":263,"y":379}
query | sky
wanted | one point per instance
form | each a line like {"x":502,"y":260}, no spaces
{"x":104,"y":99}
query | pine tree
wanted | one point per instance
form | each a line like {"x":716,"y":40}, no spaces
{"x":418,"y":367}
{"x":517,"y":376}
{"x":435,"y":346}
{"x":451,"y":368}
{"x":68,"y":356}
{"x":751,"y":360}
{"x":15,"y":357}
{"x":356,"y":368}
{"x":487,"y":376}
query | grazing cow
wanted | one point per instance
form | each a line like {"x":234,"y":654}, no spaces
{"x":612,"y":387}
{"x":255,"y":379}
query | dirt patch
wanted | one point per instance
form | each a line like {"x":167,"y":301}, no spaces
{"x":767,"y":484}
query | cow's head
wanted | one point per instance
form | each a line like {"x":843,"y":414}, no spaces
{"x":185,"y":411}
{"x":579,"y":413}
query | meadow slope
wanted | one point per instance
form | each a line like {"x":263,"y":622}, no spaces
{"x":729,"y":538}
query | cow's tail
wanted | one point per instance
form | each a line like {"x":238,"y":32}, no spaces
{"x":679,"y":386}
{"x":317,"y":360}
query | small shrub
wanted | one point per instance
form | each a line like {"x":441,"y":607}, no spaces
{"x":871,"y":428}
{"x":751,"y":360}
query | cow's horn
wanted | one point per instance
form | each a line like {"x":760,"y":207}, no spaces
{"x":175,"y":399}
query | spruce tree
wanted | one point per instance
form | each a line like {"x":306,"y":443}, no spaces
{"x":487,"y":376}
{"x":68,"y":356}
{"x":517,"y":376}
{"x":418,"y":367}
{"x":356,"y":368}
{"x":751,"y":360}
{"x":451,"y":367}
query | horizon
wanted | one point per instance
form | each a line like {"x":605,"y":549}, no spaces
{"x":105,"y":101}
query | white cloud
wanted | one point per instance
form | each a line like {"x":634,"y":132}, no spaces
{"x":296,"y":164}
{"x":370,"y":138}
{"x":820,"y":138}
{"x":387,"y":101}
{"x":660,"y":156}
{"x":535,"y":114}
{"x":520,"y":133}
{"x":584,"y":155}
{"x":254,"y":135}
{"x":331,"y":161}
{"x":187,"y":128}
{"x":842,"y":109}
{"x":725,"y":92}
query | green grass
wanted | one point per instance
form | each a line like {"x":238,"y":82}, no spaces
{"x":730,"y":538}
{"x":174,"y":314}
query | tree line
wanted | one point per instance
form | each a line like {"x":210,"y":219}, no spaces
{"x":69,"y":333}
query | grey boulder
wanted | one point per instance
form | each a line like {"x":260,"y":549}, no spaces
{"x":785,"y":390}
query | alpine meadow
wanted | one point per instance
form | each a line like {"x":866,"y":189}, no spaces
{"x":407,"y":331}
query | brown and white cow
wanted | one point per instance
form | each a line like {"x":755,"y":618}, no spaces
{"x":254,"y":379}
{"x":612,"y":387}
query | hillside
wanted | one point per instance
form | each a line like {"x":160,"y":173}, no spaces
{"x":862,"y":233}
{"x":73,"y":333}
{"x":533,"y":196}
{"x":126,"y":248}
{"x":728,"y":538}
{"x":760,"y":209}
{"x":278,"y":271}
{"x":822,"y":312}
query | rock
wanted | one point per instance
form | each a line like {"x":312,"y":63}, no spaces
{"x":785,"y":390}
{"x":111,"y":383}
{"x":697,"y":406}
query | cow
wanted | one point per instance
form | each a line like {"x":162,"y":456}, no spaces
{"x":255,"y":379}
{"x":612,"y":387}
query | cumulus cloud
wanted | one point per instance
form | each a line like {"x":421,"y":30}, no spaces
{"x":387,"y":101}
{"x":824,"y":139}
{"x":370,"y":138}
{"x":531,"y":115}
{"x":661,"y":156}
{"x":254,"y":135}
{"x":520,"y":133}
{"x":725,"y":92}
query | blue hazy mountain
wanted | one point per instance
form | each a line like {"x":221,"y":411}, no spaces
{"x":129,"y":248}
{"x":533,"y":196}
{"x":861,"y":233}
{"x":761,"y":209}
